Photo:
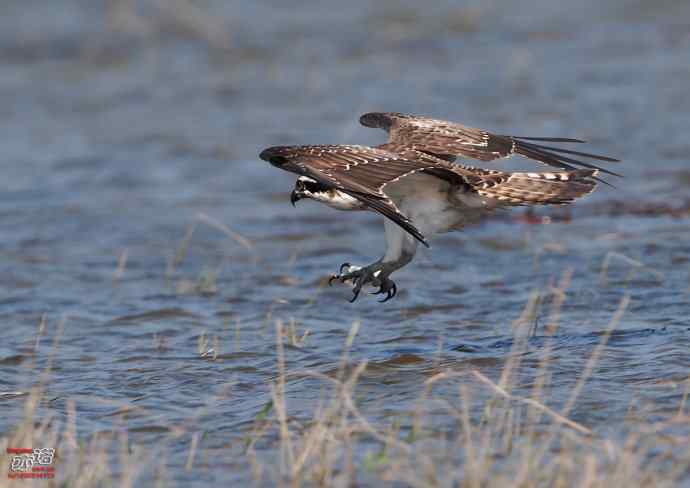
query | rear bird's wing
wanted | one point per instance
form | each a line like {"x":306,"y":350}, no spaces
{"x":445,"y":139}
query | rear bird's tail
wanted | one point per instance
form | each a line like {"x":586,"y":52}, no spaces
{"x":550,"y":188}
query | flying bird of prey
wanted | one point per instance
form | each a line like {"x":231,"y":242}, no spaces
{"x":415,"y":183}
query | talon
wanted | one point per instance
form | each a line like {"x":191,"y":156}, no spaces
{"x":359,"y":282}
{"x":390,"y":294}
{"x":367,"y":275}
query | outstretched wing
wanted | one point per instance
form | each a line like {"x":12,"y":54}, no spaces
{"x":555,"y":188}
{"x":360,"y":171}
{"x":445,"y":139}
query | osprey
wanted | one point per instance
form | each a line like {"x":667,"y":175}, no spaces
{"x":414,"y":182}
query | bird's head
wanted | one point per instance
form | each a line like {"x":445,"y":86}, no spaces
{"x":306,"y":187}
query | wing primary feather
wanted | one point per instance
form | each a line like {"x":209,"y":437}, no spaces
{"x":603,"y":181}
{"x":550,"y":139}
{"x":534,"y":152}
{"x":381,"y":207}
{"x":568,"y":151}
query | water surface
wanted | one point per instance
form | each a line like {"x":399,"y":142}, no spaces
{"x":130,"y":159}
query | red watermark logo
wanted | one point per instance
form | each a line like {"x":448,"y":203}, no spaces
{"x":26,"y":462}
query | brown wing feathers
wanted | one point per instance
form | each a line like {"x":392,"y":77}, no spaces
{"x":443,"y":138}
{"x":359,"y":171}
{"x":388,"y":209}
{"x":535,"y":188}
{"x":422,"y":144}
{"x":547,"y":155}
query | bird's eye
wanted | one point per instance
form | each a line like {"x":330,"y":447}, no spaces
{"x":300,"y":185}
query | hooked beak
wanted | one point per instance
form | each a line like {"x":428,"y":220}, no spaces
{"x":294,"y":197}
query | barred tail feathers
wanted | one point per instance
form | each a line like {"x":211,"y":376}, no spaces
{"x":548,"y":188}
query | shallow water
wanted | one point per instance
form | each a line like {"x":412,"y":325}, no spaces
{"x":137,"y":218}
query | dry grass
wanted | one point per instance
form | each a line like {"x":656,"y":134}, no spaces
{"x":491,"y":436}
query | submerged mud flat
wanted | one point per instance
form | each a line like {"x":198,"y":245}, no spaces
{"x":162,"y":301}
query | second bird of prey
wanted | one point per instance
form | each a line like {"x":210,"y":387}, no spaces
{"x":415,"y":183}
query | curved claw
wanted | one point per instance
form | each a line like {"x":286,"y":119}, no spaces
{"x":390,"y":294}
{"x":363,"y":276}
{"x":386,"y":298}
{"x":380,"y":290}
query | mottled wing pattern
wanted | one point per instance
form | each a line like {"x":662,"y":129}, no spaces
{"x":361,"y":172}
{"x":445,"y":139}
{"x":553,"y":188}
{"x":510,"y":188}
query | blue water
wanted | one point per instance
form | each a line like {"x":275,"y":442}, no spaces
{"x":118,"y":135}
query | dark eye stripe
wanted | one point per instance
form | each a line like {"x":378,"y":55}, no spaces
{"x":315,"y":187}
